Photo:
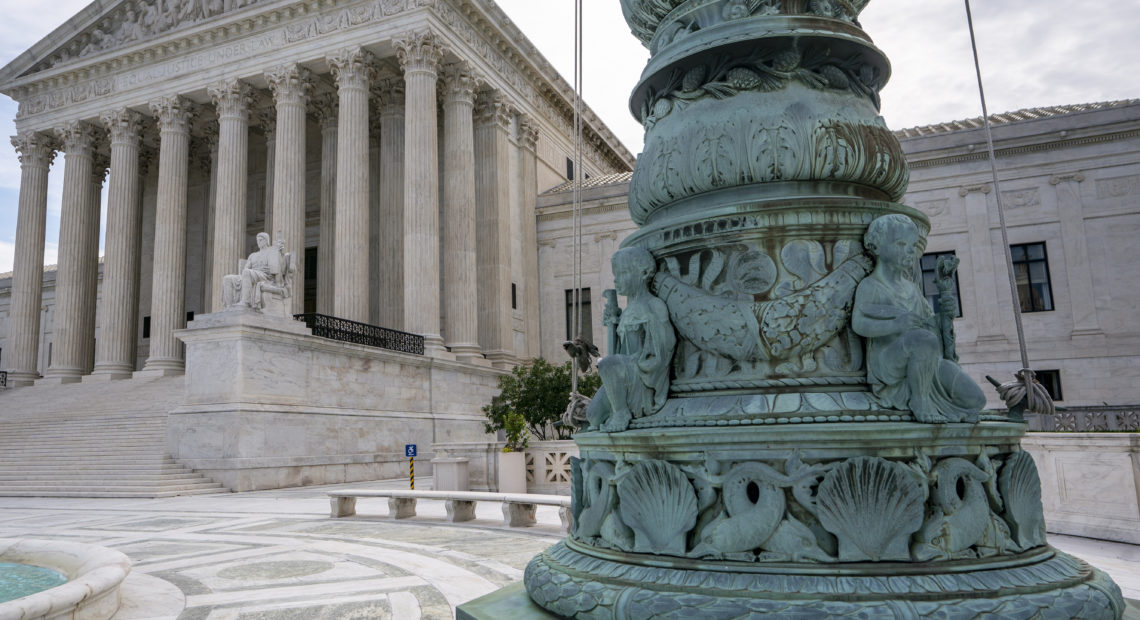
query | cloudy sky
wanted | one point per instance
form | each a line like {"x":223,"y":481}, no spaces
{"x":1041,"y":53}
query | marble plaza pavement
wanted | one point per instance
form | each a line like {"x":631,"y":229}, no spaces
{"x":277,"y":554}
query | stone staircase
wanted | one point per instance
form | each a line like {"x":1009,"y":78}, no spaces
{"x":93,"y":440}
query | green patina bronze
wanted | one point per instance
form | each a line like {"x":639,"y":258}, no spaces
{"x":819,"y":453}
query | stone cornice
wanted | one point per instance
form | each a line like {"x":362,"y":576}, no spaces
{"x":490,"y":32}
{"x":271,"y":24}
{"x":1051,"y":145}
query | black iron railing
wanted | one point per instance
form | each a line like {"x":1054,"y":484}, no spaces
{"x":344,"y":330}
{"x":3,"y":379}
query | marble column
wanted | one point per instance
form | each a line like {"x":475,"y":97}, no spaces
{"x":1082,"y":296}
{"x":390,"y":278}
{"x":168,"y":290}
{"x":72,"y":277}
{"x":326,"y":112}
{"x":115,"y":355}
{"x":461,"y":325}
{"x":232,"y":99}
{"x":375,"y":223}
{"x":291,"y":86}
{"x":528,"y":183}
{"x":267,"y":119}
{"x":492,"y":203}
{"x":36,"y":152}
{"x":352,"y":69}
{"x":100,"y":164}
{"x":419,"y":56}
{"x":209,"y":293}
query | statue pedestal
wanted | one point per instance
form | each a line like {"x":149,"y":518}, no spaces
{"x":268,"y":405}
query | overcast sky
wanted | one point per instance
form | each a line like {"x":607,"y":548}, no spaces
{"x":1041,"y":53}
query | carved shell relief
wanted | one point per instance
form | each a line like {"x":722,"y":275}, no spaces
{"x":744,"y":310}
{"x":861,"y":509}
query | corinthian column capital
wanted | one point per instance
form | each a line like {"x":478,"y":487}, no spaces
{"x":78,"y":138}
{"x":391,"y":93}
{"x":232,"y":98}
{"x":124,"y":124}
{"x":173,"y":113}
{"x":528,"y":133}
{"x":459,"y":83}
{"x":290,"y":83}
{"x":352,"y":67}
{"x":492,"y":108}
{"x":35,"y":149}
{"x":99,"y":167}
{"x":325,"y":109}
{"x":419,"y":52}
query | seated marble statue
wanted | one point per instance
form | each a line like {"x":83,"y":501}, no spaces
{"x":266,"y":276}
{"x":905,"y":363}
{"x":635,"y":376}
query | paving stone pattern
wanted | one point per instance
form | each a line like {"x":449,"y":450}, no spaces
{"x":277,"y":555}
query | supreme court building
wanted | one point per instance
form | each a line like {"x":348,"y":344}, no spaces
{"x":397,"y":146}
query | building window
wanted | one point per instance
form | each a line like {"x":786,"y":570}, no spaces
{"x":146,"y":327}
{"x":569,"y":169}
{"x":1051,"y":379}
{"x":514,"y":297}
{"x":929,"y":266}
{"x":1031,"y":268}
{"x":586,"y":319}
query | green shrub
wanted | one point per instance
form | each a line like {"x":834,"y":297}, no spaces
{"x":538,"y":391}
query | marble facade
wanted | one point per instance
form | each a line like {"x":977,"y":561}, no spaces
{"x":372,"y":133}
{"x":1070,"y":175}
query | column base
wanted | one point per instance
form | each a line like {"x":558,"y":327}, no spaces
{"x":110,"y":372}
{"x":469,"y":354}
{"x":22,"y":379}
{"x":151,"y":373}
{"x":61,"y":377}
{"x":433,"y":347}
{"x":503,"y":360}
{"x":103,"y":376}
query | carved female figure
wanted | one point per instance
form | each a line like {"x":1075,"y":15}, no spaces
{"x":905,"y":364}
{"x":635,"y":376}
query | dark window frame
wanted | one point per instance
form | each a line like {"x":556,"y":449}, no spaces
{"x":931,"y":292}
{"x":1051,"y":379}
{"x":1034,"y":301}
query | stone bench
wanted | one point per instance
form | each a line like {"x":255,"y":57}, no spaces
{"x":518,"y":508}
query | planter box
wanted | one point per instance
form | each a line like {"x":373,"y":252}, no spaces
{"x":547,"y":464}
{"x":1090,"y":483}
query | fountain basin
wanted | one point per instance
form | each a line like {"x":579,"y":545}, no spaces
{"x":94,"y":575}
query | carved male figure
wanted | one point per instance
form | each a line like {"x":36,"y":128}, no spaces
{"x":265,"y":267}
{"x":635,"y":376}
{"x":905,"y":366}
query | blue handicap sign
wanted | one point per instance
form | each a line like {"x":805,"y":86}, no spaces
{"x":410,"y":450}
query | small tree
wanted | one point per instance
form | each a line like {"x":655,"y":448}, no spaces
{"x":538,"y":391}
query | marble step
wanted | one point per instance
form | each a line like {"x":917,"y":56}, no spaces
{"x":110,"y":485}
{"x":187,"y":476}
{"x":112,"y":494}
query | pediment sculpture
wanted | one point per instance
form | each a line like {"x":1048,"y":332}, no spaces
{"x":137,"y":20}
{"x":264,"y":282}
